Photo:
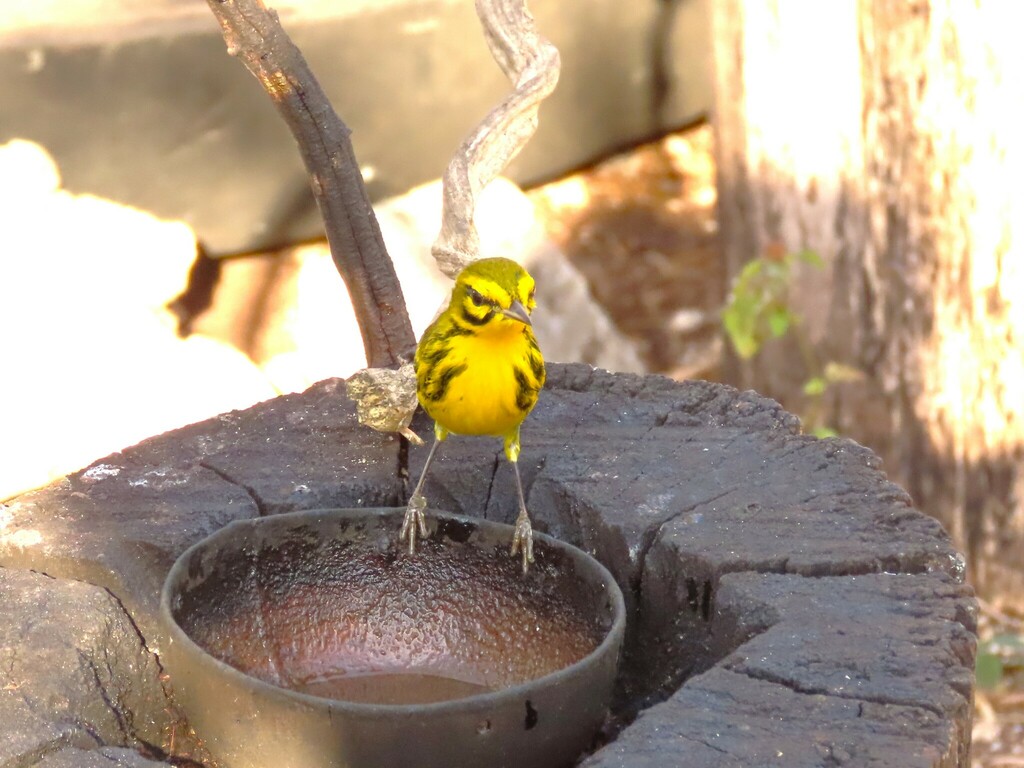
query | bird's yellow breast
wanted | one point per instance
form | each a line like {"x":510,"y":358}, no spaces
{"x":485,"y":394}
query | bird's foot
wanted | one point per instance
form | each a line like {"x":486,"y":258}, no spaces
{"x":523,"y":539}
{"x":415,"y":522}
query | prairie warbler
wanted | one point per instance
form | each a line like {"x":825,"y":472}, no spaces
{"x":478,"y":372}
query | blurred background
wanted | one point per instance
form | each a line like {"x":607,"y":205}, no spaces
{"x":812,"y":200}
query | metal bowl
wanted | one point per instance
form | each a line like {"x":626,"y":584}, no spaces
{"x":314,"y":639}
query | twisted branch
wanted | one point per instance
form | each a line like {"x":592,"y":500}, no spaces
{"x":532,"y":64}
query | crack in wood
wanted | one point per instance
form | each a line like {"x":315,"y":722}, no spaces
{"x":765,"y":676}
{"x":119,"y":717}
{"x":261,"y":509}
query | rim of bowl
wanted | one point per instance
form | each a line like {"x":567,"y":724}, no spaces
{"x":613,"y":634}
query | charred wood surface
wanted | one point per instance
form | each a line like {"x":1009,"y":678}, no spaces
{"x":788,"y":605}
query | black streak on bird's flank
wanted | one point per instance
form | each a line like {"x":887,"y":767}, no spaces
{"x":444,"y":380}
{"x":435,"y":356}
{"x":537,"y":365}
{"x":525,"y":394}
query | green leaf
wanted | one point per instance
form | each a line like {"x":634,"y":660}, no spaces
{"x":779,"y":320}
{"x":751,"y":269}
{"x":743,"y":341}
{"x":988,"y":668}
{"x":758,"y":307}
{"x":776,"y":276}
{"x":815,"y":386}
{"x":837,"y":373}
{"x":739,"y":319}
{"x":811,"y":257}
{"x":745,"y":345}
{"x":824,"y":432}
{"x":744,"y":308}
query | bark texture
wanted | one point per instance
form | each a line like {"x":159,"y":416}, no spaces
{"x":882,"y":135}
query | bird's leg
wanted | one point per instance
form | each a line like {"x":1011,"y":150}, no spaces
{"x":414,"y":521}
{"x":523,"y":536}
{"x":522,"y":539}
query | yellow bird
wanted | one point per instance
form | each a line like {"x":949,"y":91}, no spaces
{"x":478,"y":372}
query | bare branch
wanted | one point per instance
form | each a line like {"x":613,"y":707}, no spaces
{"x":532,"y":64}
{"x":254,"y":34}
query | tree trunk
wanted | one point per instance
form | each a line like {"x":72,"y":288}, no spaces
{"x":884,"y":136}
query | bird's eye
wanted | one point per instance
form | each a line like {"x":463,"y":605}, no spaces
{"x":476,"y":297}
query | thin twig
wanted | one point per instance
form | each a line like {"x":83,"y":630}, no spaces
{"x":532,"y":64}
{"x":254,"y":34}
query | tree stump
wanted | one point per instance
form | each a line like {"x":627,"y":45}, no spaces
{"x":787,"y":604}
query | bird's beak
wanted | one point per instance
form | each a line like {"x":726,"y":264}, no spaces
{"x":517,"y":312}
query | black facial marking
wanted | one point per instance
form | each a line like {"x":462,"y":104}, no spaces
{"x":454,"y":330}
{"x":477,"y":321}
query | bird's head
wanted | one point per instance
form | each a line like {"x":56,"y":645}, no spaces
{"x":496,"y":294}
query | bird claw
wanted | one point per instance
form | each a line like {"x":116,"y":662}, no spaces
{"x":415,"y":521}
{"x":522,"y":539}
